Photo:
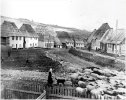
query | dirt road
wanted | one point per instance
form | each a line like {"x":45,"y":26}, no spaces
{"x":63,"y":55}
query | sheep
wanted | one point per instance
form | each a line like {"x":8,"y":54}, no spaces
{"x":80,"y":90}
{"x":122,"y":97}
{"x":95,"y":93}
{"x":90,"y":87}
{"x":120,"y":91}
{"x":88,"y":70}
{"x":72,"y":69}
{"x":111,"y":93}
{"x":82,"y":84}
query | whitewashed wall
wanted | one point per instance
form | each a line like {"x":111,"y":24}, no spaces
{"x":70,"y":44}
{"x":15,"y":42}
{"x":80,"y":45}
{"x":31,"y":42}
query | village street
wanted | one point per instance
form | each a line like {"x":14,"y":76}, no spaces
{"x":106,"y":56}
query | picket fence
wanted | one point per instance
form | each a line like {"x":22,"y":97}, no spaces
{"x":71,"y":93}
{"x":36,"y":90}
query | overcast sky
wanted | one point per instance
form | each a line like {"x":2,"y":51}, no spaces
{"x":83,"y":14}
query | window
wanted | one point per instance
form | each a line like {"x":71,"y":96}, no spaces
{"x":20,"y":37}
{"x":20,"y":45}
{"x":12,"y":45}
{"x":30,"y":44}
{"x":16,"y":38}
{"x":12,"y":37}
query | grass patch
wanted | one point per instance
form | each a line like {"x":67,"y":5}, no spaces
{"x":98,"y":59}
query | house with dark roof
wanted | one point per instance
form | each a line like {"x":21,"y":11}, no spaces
{"x":45,"y":40}
{"x":11,"y":35}
{"x":65,"y":39}
{"x":114,"y":41}
{"x":95,"y":38}
{"x":79,"y":43}
{"x":31,"y":38}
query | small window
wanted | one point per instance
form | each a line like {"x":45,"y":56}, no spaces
{"x":16,"y":38}
{"x":12,"y":37}
{"x":12,"y":45}
{"x":30,"y":44}
{"x":20,"y":37}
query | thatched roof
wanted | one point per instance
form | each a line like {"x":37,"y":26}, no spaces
{"x":111,"y":36}
{"x":46,"y":38}
{"x":117,"y":37}
{"x":10,"y":29}
{"x":97,"y":34}
{"x":28,"y":30}
{"x":79,"y":41}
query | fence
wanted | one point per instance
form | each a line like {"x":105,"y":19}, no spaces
{"x":65,"y":92}
{"x":27,"y":85}
{"x":42,"y":96}
{"x":70,"y":92}
{"x":20,"y":94}
{"x":33,"y":90}
{"x":22,"y":89}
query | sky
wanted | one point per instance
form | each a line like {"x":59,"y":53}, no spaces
{"x":81,"y":14}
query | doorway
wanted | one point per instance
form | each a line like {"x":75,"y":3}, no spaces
{"x":24,"y":42}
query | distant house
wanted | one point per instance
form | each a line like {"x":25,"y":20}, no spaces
{"x":65,"y":39}
{"x":95,"y":38}
{"x":114,"y":42}
{"x":78,"y":43}
{"x":69,"y":43}
{"x":57,"y":43}
{"x":45,"y":40}
{"x":103,"y":40}
{"x":31,"y":38}
{"x":48,"y":41}
{"x":11,"y":35}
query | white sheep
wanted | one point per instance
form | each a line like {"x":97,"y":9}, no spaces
{"x":74,"y":76}
{"x":80,"y":90}
{"x":121,"y":97}
{"x":90,"y":87}
{"x":82,"y":84}
{"x":96,"y":93}
{"x":88,"y":70}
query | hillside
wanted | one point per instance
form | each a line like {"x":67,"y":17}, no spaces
{"x":51,"y":29}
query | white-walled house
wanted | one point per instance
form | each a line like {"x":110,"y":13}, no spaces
{"x":11,"y":36}
{"x":79,"y":43}
{"x":95,"y":38}
{"x":114,"y":42}
{"x":69,"y":43}
{"x":31,"y":38}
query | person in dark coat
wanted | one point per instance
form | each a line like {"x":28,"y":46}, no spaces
{"x":50,"y":80}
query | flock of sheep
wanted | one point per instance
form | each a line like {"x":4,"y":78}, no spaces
{"x":98,"y":81}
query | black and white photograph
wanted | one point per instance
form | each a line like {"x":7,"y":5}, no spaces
{"x":63,"y":49}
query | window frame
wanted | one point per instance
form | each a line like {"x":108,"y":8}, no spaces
{"x":12,"y":37}
{"x":16,"y":37}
